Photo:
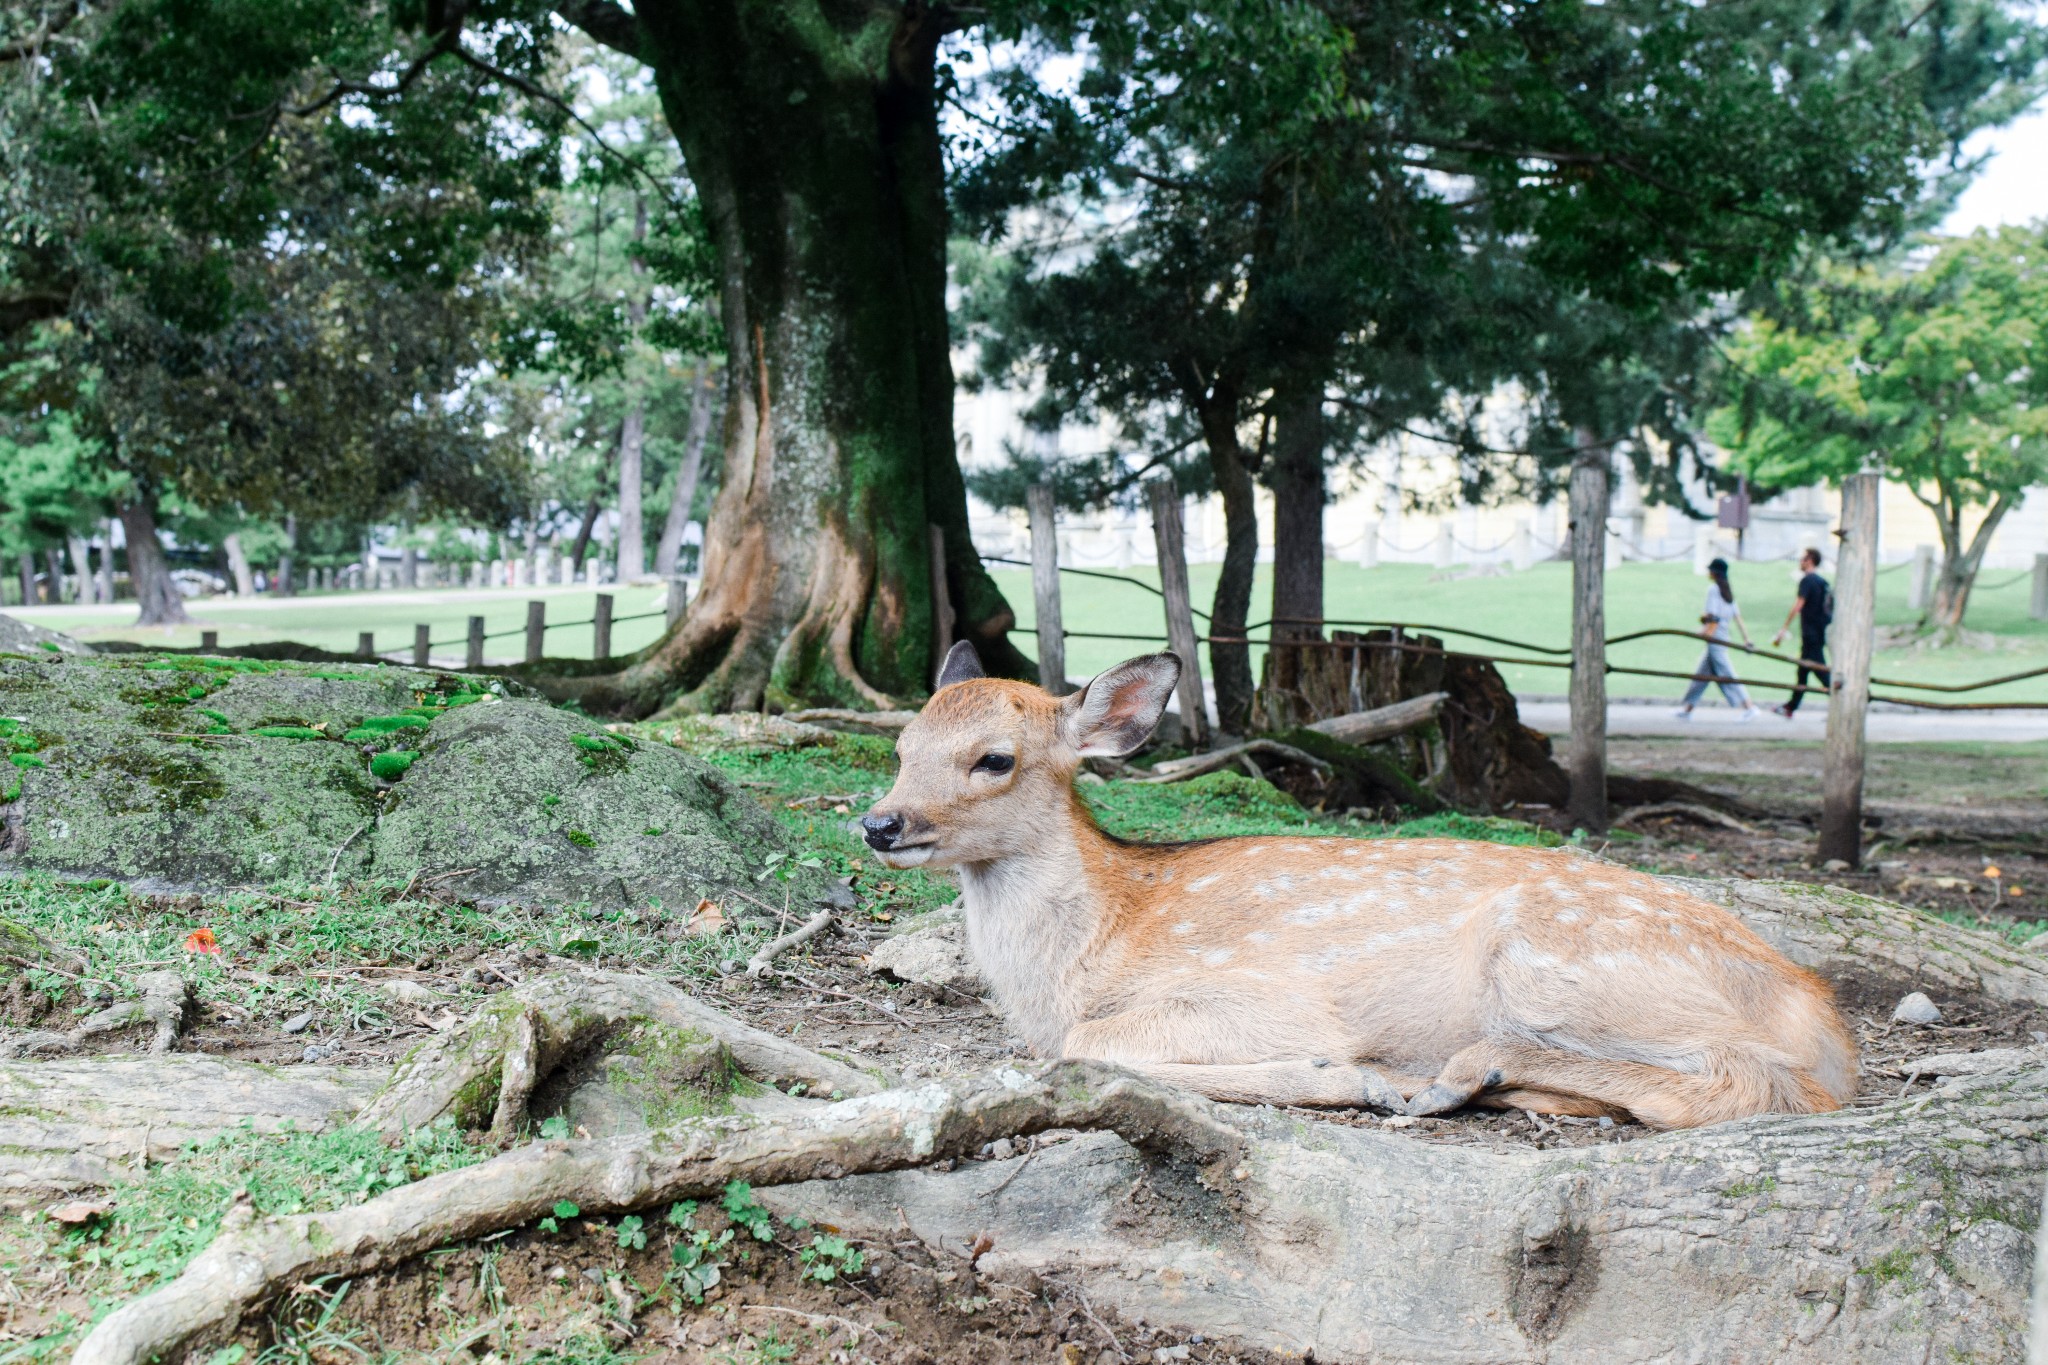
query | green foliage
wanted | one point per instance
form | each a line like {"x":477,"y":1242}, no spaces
{"x":632,"y":1233}
{"x":827,"y":1258}
{"x":580,"y":839}
{"x":287,"y":732}
{"x":160,"y":1222}
{"x":695,"y":1262}
{"x":740,"y":1205}
{"x":1935,"y":364}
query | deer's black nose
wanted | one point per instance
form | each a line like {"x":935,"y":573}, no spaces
{"x":882,"y":831}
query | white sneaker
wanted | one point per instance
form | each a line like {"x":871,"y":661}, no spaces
{"x":1683,"y":713}
{"x":1747,"y":716}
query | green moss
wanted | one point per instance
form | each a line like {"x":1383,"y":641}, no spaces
{"x":1895,"y":1266}
{"x":580,"y":839}
{"x":393,"y":765}
{"x":27,"y":761}
{"x":287,"y":732}
{"x":182,"y":782}
{"x":1743,"y":1189}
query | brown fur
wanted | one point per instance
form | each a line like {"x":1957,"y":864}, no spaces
{"x":1305,"y":970}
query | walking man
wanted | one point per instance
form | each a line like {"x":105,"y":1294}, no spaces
{"x":1814,"y":608}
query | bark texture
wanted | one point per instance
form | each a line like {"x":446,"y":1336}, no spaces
{"x":815,"y":147}
{"x":156,"y":593}
{"x":91,"y":1122}
{"x":1895,"y":1234}
{"x":691,"y":1160}
{"x":1230,"y":656}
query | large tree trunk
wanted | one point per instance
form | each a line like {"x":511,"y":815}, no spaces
{"x":1296,"y":477}
{"x":25,"y":567}
{"x":155,"y":592}
{"x":1230,"y":656}
{"x":81,"y":564}
{"x":815,"y":148}
{"x":238,"y":565}
{"x":685,"y":495}
{"x":1960,"y":563}
{"x":632,"y":547}
{"x":283,"y":584}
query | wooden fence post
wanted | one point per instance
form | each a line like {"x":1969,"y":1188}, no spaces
{"x":1169,"y":536}
{"x":366,"y":645}
{"x":209,"y":640}
{"x":942,"y":602}
{"x":422,"y":637}
{"x":1045,"y":589}
{"x":601,"y":628}
{"x":474,"y":658}
{"x":678,"y":599}
{"x":1849,"y":650}
{"x":536,"y":630}
{"x":2038,"y":607}
{"x":1588,"y":766}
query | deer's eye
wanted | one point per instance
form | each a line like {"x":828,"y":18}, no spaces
{"x":994,"y":763}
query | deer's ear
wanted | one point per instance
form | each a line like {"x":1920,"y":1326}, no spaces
{"x":1119,"y":708}
{"x":961,"y":664}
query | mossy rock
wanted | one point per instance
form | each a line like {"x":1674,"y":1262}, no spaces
{"x":144,"y":782}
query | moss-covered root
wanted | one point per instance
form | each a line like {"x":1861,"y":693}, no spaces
{"x":161,"y":1002}
{"x":483,"y":1070}
{"x":692,"y":1159}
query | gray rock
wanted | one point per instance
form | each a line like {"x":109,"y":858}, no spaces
{"x":1916,"y":1008}
{"x":932,"y":952}
{"x":19,"y":637}
{"x":154,"y":774}
{"x":410,"y":993}
{"x":298,"y":1023}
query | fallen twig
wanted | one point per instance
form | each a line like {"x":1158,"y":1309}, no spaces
{"x":803,"y":933}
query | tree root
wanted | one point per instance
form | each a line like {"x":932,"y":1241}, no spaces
{"x":485,"y":1069}
{"x":254,"y":1260}
{"x":162,"y":1003}
{"x":1382,"y":722}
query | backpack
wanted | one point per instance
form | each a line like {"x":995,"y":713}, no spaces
{"x":1827,"y":604}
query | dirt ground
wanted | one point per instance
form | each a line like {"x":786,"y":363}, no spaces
{"x":1960,"y":829}
{"x":1942,"y":819}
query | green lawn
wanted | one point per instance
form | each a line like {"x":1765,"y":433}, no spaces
{"x":1532,"y":607}
{"x":1535,"y":607}
{"x":333,"y":621}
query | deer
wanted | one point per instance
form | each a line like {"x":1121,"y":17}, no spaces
{"x":1415,"y":976}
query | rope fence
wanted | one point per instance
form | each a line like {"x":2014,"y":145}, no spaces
{"x":1559,"y":656}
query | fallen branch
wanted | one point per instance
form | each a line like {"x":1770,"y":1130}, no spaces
{"x":1383,"y":722}
{"x":1181,"y":769}
{"x":1705,"y":815}
{"x":803,"y":933}
{"x":526,"y":1032}
{"x":253,"y":1260}
{"x":885,"y":723}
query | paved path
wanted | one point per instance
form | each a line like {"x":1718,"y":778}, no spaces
{"x":1886,"y":725}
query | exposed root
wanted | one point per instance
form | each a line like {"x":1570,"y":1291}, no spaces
{"x":253,"y":1261}
{"x":885,"y":723}
{"x":162,"y":1003}
{"x":485,"y":1069}
{"x":1382,"y":722}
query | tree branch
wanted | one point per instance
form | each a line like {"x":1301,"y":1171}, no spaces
{"x":22,"y":49}
{"x":605,"y":22}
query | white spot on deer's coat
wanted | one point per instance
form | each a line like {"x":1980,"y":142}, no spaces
{"x":1524,"y":954}
{"x":1258,"y":936}
{"x":1568,"y":917}
{"x":1186,"y":926}
{"x":1204,"y":883}
{"x":1216,"y":957}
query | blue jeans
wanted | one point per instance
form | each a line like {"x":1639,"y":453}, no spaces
{"x":1715,"y":662}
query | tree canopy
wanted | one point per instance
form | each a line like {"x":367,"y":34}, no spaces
{"x":1933,"y":368}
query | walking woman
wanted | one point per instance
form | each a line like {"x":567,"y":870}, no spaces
{"x":1719,"y":613}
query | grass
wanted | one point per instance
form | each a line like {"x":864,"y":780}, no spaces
{"x":1535,"y":607}
{"x":332,"y":621}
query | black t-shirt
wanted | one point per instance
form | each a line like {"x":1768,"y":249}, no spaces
{"x":1813,"y":604}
